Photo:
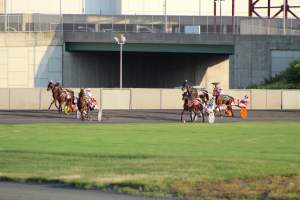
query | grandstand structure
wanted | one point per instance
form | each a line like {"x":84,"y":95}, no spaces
{"x":235,"y":42}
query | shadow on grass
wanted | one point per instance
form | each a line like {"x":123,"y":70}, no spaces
{"x":82,"y":155}
{"x":261,"y":188}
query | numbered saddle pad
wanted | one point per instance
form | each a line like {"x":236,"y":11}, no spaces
{"x":244,"y":113}
{"x":211,"y":118}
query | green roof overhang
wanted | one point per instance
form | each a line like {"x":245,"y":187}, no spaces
{"x":146,"y":47}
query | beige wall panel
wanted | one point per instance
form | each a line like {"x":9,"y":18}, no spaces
{"x":145,"y":98}
{"x":24,"y":99}
{"x":273,"y":99}
{"x":4,"y":100}
{"x":291,"y":99}
{"x":46,"y":99}
{"x":3,"y":83}
{"x":171,"y":99}
{"x":258,"y":99}
{"x":116,"y":99}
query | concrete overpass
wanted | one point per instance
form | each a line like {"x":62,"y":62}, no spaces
{"x":236,"y":61}
{"x":81,"y":59}
{"x":150,"y":60}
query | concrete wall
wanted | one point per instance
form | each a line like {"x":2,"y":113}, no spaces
{"x":274,"y":99}
{"x":127,"y":99}
{"x":145,"y":99}
{"x":29,"y":60}
{"x":171,"y":99}
{"x":216,"y":69}
{"x":291,"y":99}
{"x":253,"y":61}
{"x":4,"y":100}
{"x":116,"y":99}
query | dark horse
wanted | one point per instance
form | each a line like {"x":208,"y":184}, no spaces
{"x":192,"y":101}
{"x":194,"y":107}
{"x":60,"y":95}
{"x":193,"y":92}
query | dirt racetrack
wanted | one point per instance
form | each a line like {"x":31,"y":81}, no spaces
{"x":136,"y":116}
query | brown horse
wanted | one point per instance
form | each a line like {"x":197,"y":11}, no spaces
{"x":193,"y":106}
{"x":83,"y":105}
{"x":60,"y":95}
{"x":223,"y":100}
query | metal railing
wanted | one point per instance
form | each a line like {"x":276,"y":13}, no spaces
{"x":147,"y":24}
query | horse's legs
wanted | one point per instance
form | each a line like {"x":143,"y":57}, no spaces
{"x":60,"y":107}
{"x":220,"y":110}
{"x":195,"y":114}
{"x":191,"y":116}
{"x":231,"y":110}
{"x":51,"y":104}
{"x":55,"y":104}
{"x":182,"y":114}
{"x":202,"y":113}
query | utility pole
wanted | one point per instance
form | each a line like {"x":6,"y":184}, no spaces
{"x":284,"y":16}
{"x":61,"y":16}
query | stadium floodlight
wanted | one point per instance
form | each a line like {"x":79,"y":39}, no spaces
{"x":121,"y":40}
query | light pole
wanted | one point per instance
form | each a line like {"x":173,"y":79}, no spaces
{"x":121,"y":40}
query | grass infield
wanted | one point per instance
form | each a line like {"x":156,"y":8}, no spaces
{"x":231,"y":161}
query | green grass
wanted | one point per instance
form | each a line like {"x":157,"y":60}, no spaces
{"x":158,"y":159}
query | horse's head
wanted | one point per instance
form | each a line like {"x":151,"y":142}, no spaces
{"x":50,"y":86}
{"x":185,"y":85}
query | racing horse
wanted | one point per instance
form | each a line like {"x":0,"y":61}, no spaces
{"x":83,"y":105}
{"x":193,"y":92}
{"x":221,"y":99}
{"x":193,"y":106}
{"x":60,"y":95}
